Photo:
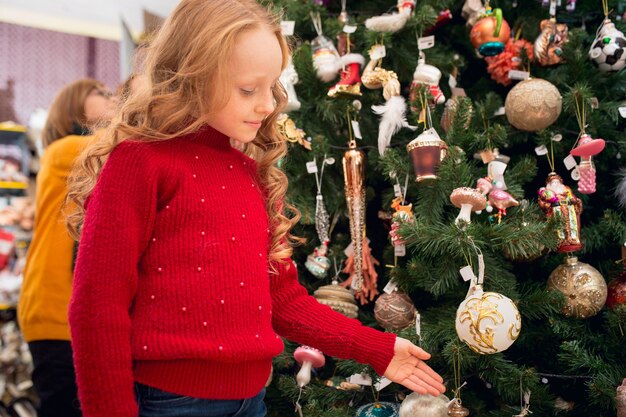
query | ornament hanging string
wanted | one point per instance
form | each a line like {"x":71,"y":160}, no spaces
{"x":581,"y":113}
{"x":605,"y":8}
{"x":317,"y":23}
{"x":352,"y":143}
{"x":524,"y":401}
{"x":456,"y":365}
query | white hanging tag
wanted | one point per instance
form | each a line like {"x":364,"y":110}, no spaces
{"x":399,"y":250}
{"x":360,"y":379}
{"x":569,"y":162}
{"x":384,"y":382}
{"x":397,"y":190}
{"x":390,"y":287}
{"x":526,"y":397}
{"x":541,"y":150}
{"x":357,"y":129}
{"x":418,"y":325}
{"x":519,"y":75}
{"x":575,"y":174}
{"x":349,"y":251}
{"x":552,"y":7}
{"x":481,"y":269}
{"x":311,"y":167}
{"x":467,"y":273}
{"x":500,"y":112}
{"x":287,"y":27}
{"x":557,"y":138}
{"x":426,"y":42}
{"x":349,"y":29}
{"x":329,"y":161}
{"x":452,"y":82}
{"x":377,"y":51}
{"x":622,"y":112}
{"x":594,"y":102}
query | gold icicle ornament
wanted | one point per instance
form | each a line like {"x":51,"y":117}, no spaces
{"x":354,"y":181}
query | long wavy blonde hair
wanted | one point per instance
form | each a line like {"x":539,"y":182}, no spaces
{"x":186,"y":74}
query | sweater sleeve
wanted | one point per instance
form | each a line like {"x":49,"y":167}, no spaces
{"x":299,"y":317}
{"x":118,"y":223}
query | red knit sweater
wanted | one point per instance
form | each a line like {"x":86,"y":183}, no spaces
{"x":172,"y":288}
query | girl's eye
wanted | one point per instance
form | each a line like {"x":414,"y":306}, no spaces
{"x":246,"y":92}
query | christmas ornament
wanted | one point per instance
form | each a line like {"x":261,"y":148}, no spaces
{"x":490,"y":33}
{"x":549,"y":45}
{"x":582,"y":285}
{"x":325,"y":56}
{"x":403,"y":213}
{"x":309,"y":358}
{"x":450,"y":112}
{"x":288,"y":78}
{"x":354,"y":181}
{"x":587,"y":147}
{"x":378,"y":409}
{"x":427,"y":151}
{"x":533,"y":105}
{"x":338,"y":298}
{"x":290,"y":132}
{"x":426,"y":77}
{"x":468,"y":200}
{"x":620,"y":399}
{"x":616,"y":291}
{"x":389,"y":23}
{"x":393,"y":112}
{"x":369,"y":287}
{"x":556,"y":199}
{"x":607,"y":50}
{"x":341,"y":384}
{"x":501,"y":200}
{"x":349,"y":84}
{"x":456,"y":409}
{"x":317,"y":263}
{"x":424,"y":405}
{"x":500,"y":65}
{"x":472,"y":11}
{"x":443,"y":17}
{"x":394,"y":311}
{"x":488,"y":322}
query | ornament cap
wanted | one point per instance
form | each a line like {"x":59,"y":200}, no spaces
{"x":588,"y":147}
{"x":571,"y":260}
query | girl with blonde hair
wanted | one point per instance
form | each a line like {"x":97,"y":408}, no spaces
{"x":45,"y":294}
{"x":184,"y":282}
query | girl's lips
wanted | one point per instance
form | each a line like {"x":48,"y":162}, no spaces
{"x":254,"y":124}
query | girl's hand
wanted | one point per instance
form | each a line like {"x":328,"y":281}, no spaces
{"x":407,"y":368}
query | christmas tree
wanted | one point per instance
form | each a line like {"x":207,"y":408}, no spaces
{"x":531,"y":135}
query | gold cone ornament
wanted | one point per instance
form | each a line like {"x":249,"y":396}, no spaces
{"x":354,"y":181}
{"x":582,"y":285}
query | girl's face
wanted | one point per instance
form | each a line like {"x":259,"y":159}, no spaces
{"x":99,"y":105}
{"x":254,"y":68}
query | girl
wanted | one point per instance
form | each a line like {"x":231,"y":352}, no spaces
{"x":45,"y":295}
{"x":183,"y":281}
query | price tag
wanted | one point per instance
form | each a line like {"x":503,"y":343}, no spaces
{"x":399,"y":250}
{"x":553,"y":7}
{"x":622,"y":112}
{"x":360,"y":379}
{"x":397,"y":190}
{"x":557,"y":138}
{"x":519,"y":75}
{"x":390,"y":287}
{"x":467,"y":273}
{"x":541,"y":150}
{"x":384,"y":382}
{"x":329,"y":161}
{"x":357,"y":129}
{"x":595,"y":104}
{"x":481,"y":268}
{"x":311,"y":167}
{"x":569,"y":162}
{"x":349,"y":251}
{"x":452,"y":83}
{"x":287,"y":27}
{"x":377,"y":51}
{"x":575,"y":174}
{"x":349,"y":29}
{"x":487,"y":156}
{"x":418,"y":325}
{"x":500,"y":112}
{"x":426,"y":42}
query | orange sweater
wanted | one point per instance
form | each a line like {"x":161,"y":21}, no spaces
{"x":47,"y":286}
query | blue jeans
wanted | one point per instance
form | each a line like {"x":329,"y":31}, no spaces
{"x":156,"y":403}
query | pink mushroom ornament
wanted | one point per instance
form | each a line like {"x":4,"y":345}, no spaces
{"x":308,"y":358}
{"x":587,"y":147}
{"x":468,"y":200}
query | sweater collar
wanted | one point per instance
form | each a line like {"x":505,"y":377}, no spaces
{"x":207,"y":135}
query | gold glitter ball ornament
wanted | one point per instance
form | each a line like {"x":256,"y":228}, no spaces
{"x":488,"y":322}
{"x":582,"y":285}
{"x":533,"y":105}
{"x":394,"y":311}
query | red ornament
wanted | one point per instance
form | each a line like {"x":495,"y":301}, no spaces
{"x":617,"y":291}
{"x":499,"y":66}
